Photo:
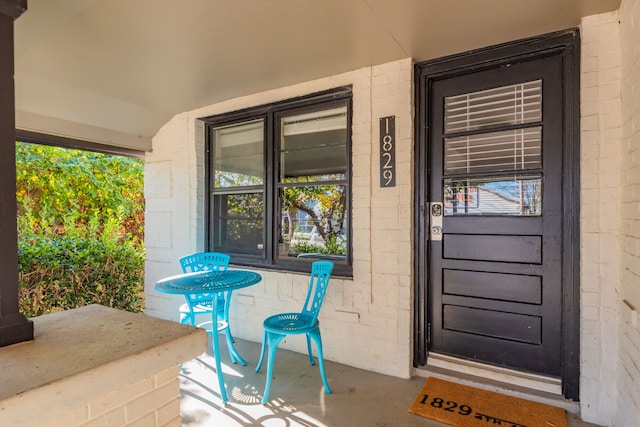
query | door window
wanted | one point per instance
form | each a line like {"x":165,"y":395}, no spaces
{"x":493,"y":151}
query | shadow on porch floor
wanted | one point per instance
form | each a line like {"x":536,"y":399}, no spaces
{"x":360,"y":398}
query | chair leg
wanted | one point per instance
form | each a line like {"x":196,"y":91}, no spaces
{"x":315,"y":336}
{"x":262,"y":352}
{"x":313,"y":362}
{"x":184,"y":319}
{"x":235,"y":357}
{"x":231,"y":355}
{"x":274,"y":340}
{"x":233,"y":340}
{"x":190,"y":318}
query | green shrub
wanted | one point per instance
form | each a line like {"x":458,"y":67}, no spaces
{"x":332,"y":246}
{"x":80,"y":230}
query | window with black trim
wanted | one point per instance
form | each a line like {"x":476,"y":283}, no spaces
{"x":279,"y":182}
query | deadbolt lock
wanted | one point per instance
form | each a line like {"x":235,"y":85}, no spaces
{"x":436,"y":220}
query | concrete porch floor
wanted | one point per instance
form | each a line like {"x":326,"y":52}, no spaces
{"x":359,"y":398}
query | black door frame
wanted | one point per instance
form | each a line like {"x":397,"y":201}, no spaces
{"x":567,"y":44}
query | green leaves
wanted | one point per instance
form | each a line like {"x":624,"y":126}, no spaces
{"x":324,"y":204}
{"x":80,"y":229}
{"x":67,"y":186}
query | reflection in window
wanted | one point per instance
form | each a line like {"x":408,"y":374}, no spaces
{"x":238,"y":223}
{"x":313,"y":165}
{"x":313,"y":222}
{"x":279,"y":182}
{"x":519,"y":196}
{"x":238,"y":197}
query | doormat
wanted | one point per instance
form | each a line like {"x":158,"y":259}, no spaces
{"x":462,"y":406}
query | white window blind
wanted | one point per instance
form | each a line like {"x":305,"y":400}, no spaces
{"x":483,"y":150}
{"x":512,"y":150}
{"x":507,"y":105}
{"x":239,"y":154}
{"x":318,"y":121}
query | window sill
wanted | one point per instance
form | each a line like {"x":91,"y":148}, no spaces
{"x":339,"y":270}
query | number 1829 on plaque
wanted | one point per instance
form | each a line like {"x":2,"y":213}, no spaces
{"x":388,"y":151}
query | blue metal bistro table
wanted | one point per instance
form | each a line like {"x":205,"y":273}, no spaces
{"x":210,"y":282}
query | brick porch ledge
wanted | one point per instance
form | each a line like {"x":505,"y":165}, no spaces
{"x":96,"y":364}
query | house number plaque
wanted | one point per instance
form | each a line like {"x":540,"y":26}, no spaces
{"x":388,"y":151}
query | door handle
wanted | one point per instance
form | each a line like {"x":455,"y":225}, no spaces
{"x":435,"y":211}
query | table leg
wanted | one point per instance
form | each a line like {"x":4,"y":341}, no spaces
{"x":216,"y":351}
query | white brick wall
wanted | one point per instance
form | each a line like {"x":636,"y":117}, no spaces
{"x":366,"y":321}
{"x":600,"y":214}
{"x":628,"y":375}
{"x":152,"y":402}
{"x":610,"y":212}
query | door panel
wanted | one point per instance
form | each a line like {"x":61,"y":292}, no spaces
{"x":522,"y":249}
{"x":495,"y":276}
{"x":493,"y":323}
{"x":518,"y":288}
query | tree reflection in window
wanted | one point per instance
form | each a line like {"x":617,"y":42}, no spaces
{"x":279,"y":182}
{"x":322,"y":229}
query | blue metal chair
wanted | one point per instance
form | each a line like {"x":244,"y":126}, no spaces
{"x":278,"y":326}
{"x":202,"y":304}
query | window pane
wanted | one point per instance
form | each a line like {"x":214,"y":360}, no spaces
{"x":275,"y":167}
{"x":314,"y":145}
{"x":517,"y":149}
{"x":507,"y":105}
{"x":238,"y":223}
{"x":493,"y":196}
{"x":238,"y":158}
{"x":313,"y":222}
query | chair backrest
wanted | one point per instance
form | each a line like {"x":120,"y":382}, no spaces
{"x":204,"y":261}
{"x":320,"y":274}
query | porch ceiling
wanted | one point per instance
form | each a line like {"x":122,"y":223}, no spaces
{"x":120,"y":69}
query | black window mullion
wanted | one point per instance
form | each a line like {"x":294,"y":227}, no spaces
{"x":269,"y":190}
{"x":223,"y":224}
